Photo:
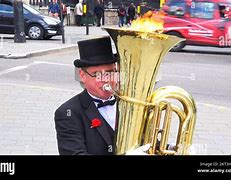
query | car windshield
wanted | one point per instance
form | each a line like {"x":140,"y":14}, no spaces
{"x":31,"y":9}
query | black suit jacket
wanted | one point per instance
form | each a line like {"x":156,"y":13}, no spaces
{"x":73,"y":126}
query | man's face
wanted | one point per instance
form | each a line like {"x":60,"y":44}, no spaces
{"x":96,"y":76}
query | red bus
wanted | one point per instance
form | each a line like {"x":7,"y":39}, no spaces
{"x":200,"y":22}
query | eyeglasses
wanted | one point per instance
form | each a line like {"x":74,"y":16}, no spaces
{"x":100,"y":74}
{"x":94,"y":75}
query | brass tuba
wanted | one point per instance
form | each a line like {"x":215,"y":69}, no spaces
{"x":140,"y":111}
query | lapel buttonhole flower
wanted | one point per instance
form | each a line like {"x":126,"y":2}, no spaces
{"x":95,"y":123}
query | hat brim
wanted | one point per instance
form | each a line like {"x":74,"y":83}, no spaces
{"x":80,"y":63}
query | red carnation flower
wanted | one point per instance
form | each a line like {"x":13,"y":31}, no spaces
{"x":95,"y":123}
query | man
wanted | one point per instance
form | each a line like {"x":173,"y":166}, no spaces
{"x":68,"y":15}
{"x":78,"y":11}
{"x":64,"y":12}
{"x":84,"y":124}
{"x":122,"y":15}
{"x":54,"y":9}
{"x":131,"y":13}
{"x":99,"y":11}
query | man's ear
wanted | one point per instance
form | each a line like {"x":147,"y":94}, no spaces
{"x":82,"y":75}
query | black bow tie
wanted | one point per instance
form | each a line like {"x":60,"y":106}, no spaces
{"x":105,"y":103}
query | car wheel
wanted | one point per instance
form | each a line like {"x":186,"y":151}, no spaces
{"x":180,"y":45}
{"x":35,"y":31}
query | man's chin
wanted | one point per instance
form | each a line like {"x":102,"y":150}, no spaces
{"x":106,"y":95}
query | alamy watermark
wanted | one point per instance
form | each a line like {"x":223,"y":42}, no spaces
{"x":6,"y":167}
{"x":111,"y":77}
{"x":225,"y":40}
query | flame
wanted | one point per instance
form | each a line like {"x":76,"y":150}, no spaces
{"x":150,"y":22}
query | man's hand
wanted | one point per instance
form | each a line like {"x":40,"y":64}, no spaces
{"x":139,"y":151}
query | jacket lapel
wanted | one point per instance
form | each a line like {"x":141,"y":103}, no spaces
{"x":92,"y":113}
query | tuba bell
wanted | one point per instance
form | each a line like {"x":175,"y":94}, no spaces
{"x":141,"y":111}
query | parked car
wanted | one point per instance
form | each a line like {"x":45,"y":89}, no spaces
{"x":37,"y":25}
{"x":200,"y":22}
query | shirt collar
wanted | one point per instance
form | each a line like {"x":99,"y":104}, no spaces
{"x":94,"y":97}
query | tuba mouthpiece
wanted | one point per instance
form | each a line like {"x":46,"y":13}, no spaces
{"x":107,"y":87}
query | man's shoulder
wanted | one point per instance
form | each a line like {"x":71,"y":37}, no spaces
{"x":71,"y":103}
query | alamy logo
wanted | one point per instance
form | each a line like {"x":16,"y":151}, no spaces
{"x":7,"y":168}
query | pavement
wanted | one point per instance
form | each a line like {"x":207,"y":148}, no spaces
{"x":31,"y":48}
{"x":27,"y":126}
{"x":13,"y":50}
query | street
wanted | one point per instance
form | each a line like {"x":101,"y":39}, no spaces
{"x":32,"y":88}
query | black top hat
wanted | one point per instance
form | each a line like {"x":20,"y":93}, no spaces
{"x":95,"y":52}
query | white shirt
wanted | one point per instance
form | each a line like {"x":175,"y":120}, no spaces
{"x":108,"y":112}
{"x":79,"y":9}
{"x":68,"y":10}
